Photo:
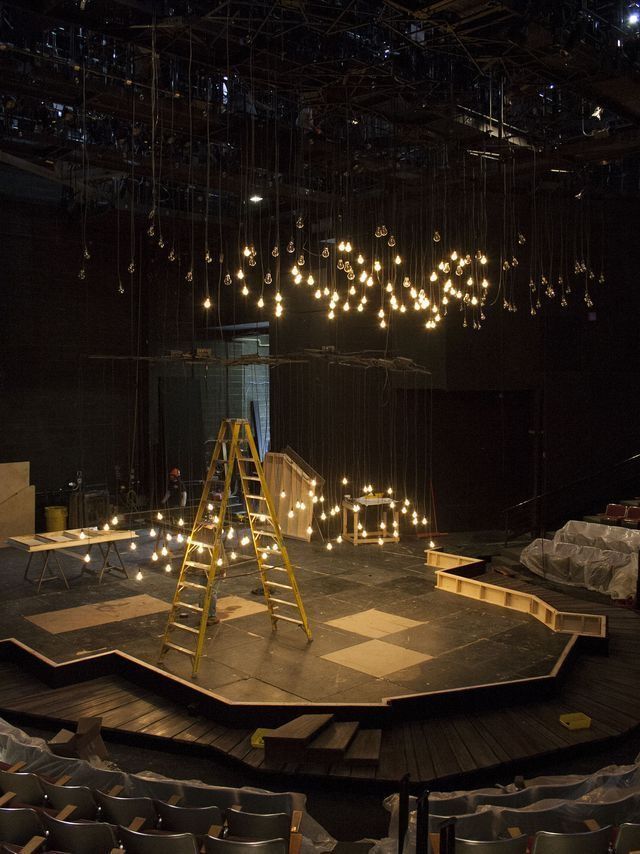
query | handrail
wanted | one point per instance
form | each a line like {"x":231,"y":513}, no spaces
{"x":535,"y":502}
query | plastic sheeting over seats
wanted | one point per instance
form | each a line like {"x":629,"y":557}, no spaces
{"x":599,"y":536}
{"x":608,"y":571}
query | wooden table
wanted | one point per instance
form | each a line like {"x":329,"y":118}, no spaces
{"x":355,"y":506}
{"x":50,"y":544}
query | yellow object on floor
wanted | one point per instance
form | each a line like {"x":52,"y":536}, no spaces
{"x":575,"y":720}
{"x":257,"y":739}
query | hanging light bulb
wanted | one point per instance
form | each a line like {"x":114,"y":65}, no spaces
{"x":87,"y":558}
{"x":240,"y":275}
{"x":245,"y":291}
{"x":105,"y":527}
{"x":377,"y":266}
{"x":301,"y":260}
{"x":329,"y":547}
{"x":167,"y":567}
{"x":360,"y":259}
{"x":347,"y":247}
{"x":291,"y":247}
{"x":341,"y":246}
{"x":152,"y":532}
{"x":436,"y":237}
{"x":391,"y":241}
{"x":325,"y":252}
{"x":397,"y":259}
{"x":299,"y":222}
{"x":246,"y":252}
{"x":133,"y":546}
{"x":275,"y":251}
{"x":260,"y":303}
{"x":154,"y":557}
{"x":139,"y":575}
{"x":207,"y":303}
{"x":164,"y":551}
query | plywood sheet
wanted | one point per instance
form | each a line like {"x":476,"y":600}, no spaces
{"x":377,"y":658}
{"x":17,"y":514}
{"x":88,"y":616}
{"x":283,"y":475}
{"x":373,"y":623}
{"x":13,"y":478}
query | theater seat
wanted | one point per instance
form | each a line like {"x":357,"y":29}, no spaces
{"x":595,"y":842}
{"x":212,"y":845}
{"x":196,"y":820}
{"x":614,"y":514}
{"x":157,"y":843}
{"x":247,"y":825}
{"x":80,"y":797}
{"x":628,"y":838}
{"x":632,"y":519}
{"x":498,"y":846}
{"x":19,"y":826}
{"x":83,"y":837}
{"x":124,"y":811}
{"x":25,"y":788}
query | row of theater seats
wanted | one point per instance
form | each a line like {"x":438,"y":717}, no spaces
{"x":621,"y":514}
{"x":605,"y":840}
{"x":37,"y":814}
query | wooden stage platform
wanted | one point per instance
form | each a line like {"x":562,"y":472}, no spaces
{"x":450,"y":736}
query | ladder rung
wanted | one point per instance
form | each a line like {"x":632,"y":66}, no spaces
{"x":287,"y":619}
{"x":257,"y":497}
{"x":250,"y":477}
{"x":283,"y":602}
{"x":246,"y":460}
{"x":192,"y":584}
{"x":277,"y":584}
{"x":196,"y":565}
{"x":189,"y":652}
{"x":196,"y":544}
{"x":189,"y":606}
{"x":261,"y":532}
{"x":271,"y":566}
{"x":257,"y":515}
{"x":184,"y":628}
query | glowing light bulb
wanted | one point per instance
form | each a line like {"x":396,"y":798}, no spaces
{"x":164,"y":551}
{"x":114,"y":521}
{"x":244,"y":541}
{"x":167,"y":567}
{"x":290,"y":514}
{"x":341,"y":246}
{"x":169,"y":538}
{"x":364,"y":533}
{"x":483,"y":259}
{"x":331,"y":314}
{"x":233,"y":556}
{"x":323,"y":516}
{"x":246,"y":252}
{"x":369,"y":281}
{"x":329,"y":547}
{"x":432,"y":545}
{"x":159,"y":517}
{"x":245,"y":291}
{"x":311,"y":281}
{"x":309,"y":530}
{"x":294,"y":270}
{"x":240,"y":274}
{"x":360,"y":259}
{"x":344,"y":481}
{"x":380,"y":541}
{"x":283,"y":494}
{"x":398,"y":259}
{"x":346,"y":306}
{"x":260,"y":303}
{"x":389,"y":491}
{"x":377,"y":266}
{"x":154,"y":557}
{"x":360,"y":307}
{"x":133,"y":546}
{"x":381,"y":313}
{"x":87,"y":558}
{"x":207,"y":303}
{"x":139,"y":575}
{"x":180,"y":538}
{"x":347,"y":247}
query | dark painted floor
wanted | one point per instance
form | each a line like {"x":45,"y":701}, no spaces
{"x":450,"y":641}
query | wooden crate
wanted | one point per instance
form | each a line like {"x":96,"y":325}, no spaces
{"x":296,"y":480}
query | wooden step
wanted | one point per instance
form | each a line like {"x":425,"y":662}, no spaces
{"x":365,"y":748}
{"x":288,"y":742}
{"x":333,"y":741}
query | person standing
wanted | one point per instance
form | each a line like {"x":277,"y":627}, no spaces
{"x":176,"y":493}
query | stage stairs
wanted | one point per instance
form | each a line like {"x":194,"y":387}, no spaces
{"x":320,"y":738}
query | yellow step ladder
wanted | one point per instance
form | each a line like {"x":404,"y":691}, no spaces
{"x":205,"y":559}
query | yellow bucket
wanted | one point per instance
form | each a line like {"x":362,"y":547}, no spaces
{"x":55,"y":518}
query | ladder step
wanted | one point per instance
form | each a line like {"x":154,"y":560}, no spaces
{"x":192,"y":585}
{"x":272,"y":599}
{"x":179,"y":604}
{"x":169,"y":645}
{"x":271,"y":566}
{"x":259,"y":532}
{"x":182,"y":626}
{"x":278,"y":585}
{"x":287,"y":619}
{"x":256,"y":497}
{"x":246,"y":460}
{"x":196,"y":565}
{"x":250,"y":477}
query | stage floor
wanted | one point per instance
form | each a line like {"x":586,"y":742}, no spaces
{"x":380,"y":628}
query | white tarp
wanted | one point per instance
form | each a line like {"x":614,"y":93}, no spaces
{"x":558,"y":804}
{"x":606,"y":571}
{"x":599,"y":536}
